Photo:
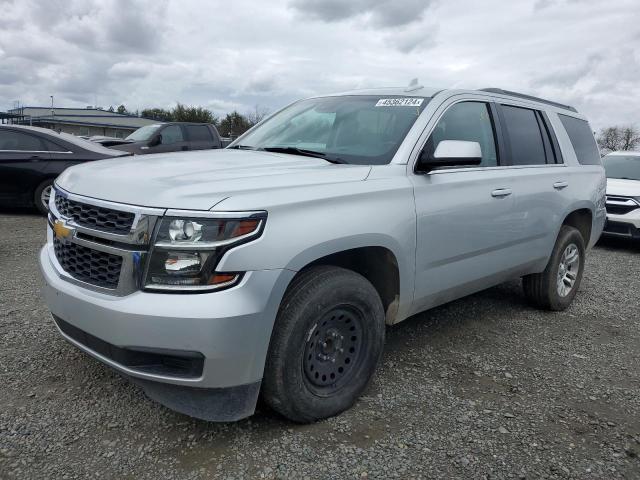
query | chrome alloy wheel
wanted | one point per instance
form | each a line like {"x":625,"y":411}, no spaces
{"x":568,"y":269}
{"x":45,"y":196}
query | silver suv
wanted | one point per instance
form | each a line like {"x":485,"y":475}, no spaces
{"x":271,"y":267}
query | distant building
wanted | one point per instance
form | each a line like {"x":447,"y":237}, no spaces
{"x":78,"y":121}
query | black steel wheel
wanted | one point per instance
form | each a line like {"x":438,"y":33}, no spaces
{"x":334,"y":350}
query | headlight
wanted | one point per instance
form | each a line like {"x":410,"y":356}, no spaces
{"x":187,"y":250}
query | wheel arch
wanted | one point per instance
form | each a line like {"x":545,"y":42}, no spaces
{"x":377,"y":258}
{"x":581,"y":217}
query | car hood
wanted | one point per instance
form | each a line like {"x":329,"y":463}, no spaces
{"x":200,"y":180}
{"x":622,"y":187}
{"x":128,"y":146}
{"x":110,"y":142}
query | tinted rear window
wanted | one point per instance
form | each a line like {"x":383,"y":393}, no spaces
{"x":525,"y":138}
{"x":54,"y":147}
{"x":582,"y":140}
{"x":199,"y":133}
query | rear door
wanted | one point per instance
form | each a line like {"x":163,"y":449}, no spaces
{"x":539,"y":185}
{"x":63,"y":155}
{"x":23,"y":158}
{"x":200,"y":137}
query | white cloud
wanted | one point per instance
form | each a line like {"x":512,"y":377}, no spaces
{"x":235,"y":55}
{"x":380,"y":13}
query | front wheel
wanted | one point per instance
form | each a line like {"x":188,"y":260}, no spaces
{"x":326,"y":343}
{"x":556,"y":287}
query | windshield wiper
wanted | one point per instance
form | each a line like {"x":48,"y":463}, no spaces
{"x":304,"y":152}
{"x":243,"y":147}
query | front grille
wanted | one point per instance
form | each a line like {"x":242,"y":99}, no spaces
{"x":620,"y":209}
{"x":98,"y":218}
{"x":88,"y":265}
{"x":618,"y":205}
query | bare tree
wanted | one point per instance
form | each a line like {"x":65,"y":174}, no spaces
{"x":609,"y":139}
{"x":616,"y":138}
{"x":257,"y":114}
{"x":630,"y":138}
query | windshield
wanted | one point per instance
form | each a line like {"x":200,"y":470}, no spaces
{"x":144,"y":133}
{"x":622,"y":166}
{"x":364,"y":130}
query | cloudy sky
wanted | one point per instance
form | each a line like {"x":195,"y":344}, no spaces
{"x":241,"y":53}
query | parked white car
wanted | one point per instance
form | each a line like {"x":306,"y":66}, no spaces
{"x":623,"y":194}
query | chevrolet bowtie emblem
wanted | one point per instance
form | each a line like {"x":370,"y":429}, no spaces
{"x":61,"y":231}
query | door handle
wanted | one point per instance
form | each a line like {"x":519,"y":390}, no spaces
{"x":501,"y":192}
{"x":34,"y":158}
{"x":560,"y":185}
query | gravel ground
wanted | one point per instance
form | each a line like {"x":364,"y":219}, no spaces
{"x":484,"y":387}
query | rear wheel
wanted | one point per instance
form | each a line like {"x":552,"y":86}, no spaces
{"x":42,"y":195}
{"x":556,"y":287}
{"x":326,"y":343}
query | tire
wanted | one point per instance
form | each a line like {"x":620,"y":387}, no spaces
{"x":39,"y":194}
{"x":326,"y":343}
{"x":545,"y":290}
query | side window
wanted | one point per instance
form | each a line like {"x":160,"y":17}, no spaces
{"x":54,"y":147}
{"x":171,"y":134}
{"x":470,"y":121}
{"x":525,"y":137}
{"x":581,"y":139}
{"x":551,"y":146}
{"x":199,"y":133}
{"x":12,"y":140}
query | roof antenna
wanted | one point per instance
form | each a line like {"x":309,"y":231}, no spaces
{"x":413,"y":86}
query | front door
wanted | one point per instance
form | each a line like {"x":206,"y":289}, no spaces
{"x":464,"y":215}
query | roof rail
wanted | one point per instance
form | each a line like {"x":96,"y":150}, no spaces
{"x":528,"y":97}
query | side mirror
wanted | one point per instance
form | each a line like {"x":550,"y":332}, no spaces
{"x":451,"y":153}
{"x":157,"y":140}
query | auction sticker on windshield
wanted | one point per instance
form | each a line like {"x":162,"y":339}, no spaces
{"x":399,"y":102}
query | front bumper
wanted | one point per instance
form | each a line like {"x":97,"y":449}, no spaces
{"x":231,"y":329}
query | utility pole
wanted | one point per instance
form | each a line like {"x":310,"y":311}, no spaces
{"x":52,"y":112}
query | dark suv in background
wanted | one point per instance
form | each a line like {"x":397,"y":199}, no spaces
{"x":31,"y":158}
{"x":171,"y":137}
